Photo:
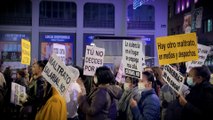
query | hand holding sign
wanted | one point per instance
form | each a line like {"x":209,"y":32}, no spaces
{"x":182,"y":100}
{"x":133,"y":103}
{"x":23,"y":98}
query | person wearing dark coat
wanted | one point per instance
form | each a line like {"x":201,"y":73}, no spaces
{"x":21,"y":78}
{"x":148,"y":108}
{"x":198,"y":104}
{"x":97,"y":105}
{"x":131,"y":90}
{"x":36,"y":90}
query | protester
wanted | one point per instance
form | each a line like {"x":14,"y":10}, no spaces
{"x":170,"y":103}
{"x":198,"y":103}
{"x":86,"y":85}
{"x":158,"y":75}
{"x":99,"y":103}
{"x":182,"y":68}
{"x":211,"y":80}
{"x":175,"y":66}
{"x":168,"y":100}
{"x":53,"y":106}
{"x":29,"y":70}
{"x":27,"y":75}
{"x":155,"y":86}
{"x":2,"y":80}
{"x":20,"y":78}
{"x":72,"y":101}
{"x":2,"y":91}
{"x":130,"y":91}
{"x":148,"y":69}
{"x":148,"y":108}
{"x":8,"y":78}
{"x":158,"y":78}
{"x":72,"y":94}
{"x":36,"y":88}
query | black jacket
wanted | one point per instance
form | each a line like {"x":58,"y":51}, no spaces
{"x":199,"y":102}
{"x":21,"y":82}
{"x":36,"y":94}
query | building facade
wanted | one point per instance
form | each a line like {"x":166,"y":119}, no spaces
{"x":180,"y":10}
{"x":74,"y":23}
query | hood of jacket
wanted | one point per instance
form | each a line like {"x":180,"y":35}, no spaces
{"x":114,"y":90}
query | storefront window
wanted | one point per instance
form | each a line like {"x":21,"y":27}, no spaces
{"x":10,"y":49}
{"x":48,"y":39}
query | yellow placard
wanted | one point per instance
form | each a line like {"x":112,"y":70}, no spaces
{"x":177,"y":48}
{"x":26,"y":52}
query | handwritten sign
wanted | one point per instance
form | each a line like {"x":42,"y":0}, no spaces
{"x":59,"y":75}
{"x":132,"y":58}
{"x":94,"y":58}
{"x":26,"y":52}
{"x":203,"y":51}
{"x":60,"y":51}
{"x":120,"y":77}
{"x":16,"y":92}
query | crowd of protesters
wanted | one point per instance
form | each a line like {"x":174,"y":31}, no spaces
{"x":101,"y":97}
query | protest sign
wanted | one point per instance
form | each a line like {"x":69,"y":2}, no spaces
{"x":94,"y":58}
{"x":132,"y":58}
{"x":58,"y":75}
{"x":173,"y":78}
{"x":203,"y":51}
{"x":197,"y":15}
{"x":25,"y":52}
{"x":120,"y":77}
{"x":60,"y":51}
{"x":187,"y":20}
{"x":16,"y":92}
{"x":177,"y":48}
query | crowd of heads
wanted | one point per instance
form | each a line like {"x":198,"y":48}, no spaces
{"x":152,"y":78}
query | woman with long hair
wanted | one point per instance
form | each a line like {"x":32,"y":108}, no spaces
{"x":97,"y":105}
{"x":148,"y":108}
